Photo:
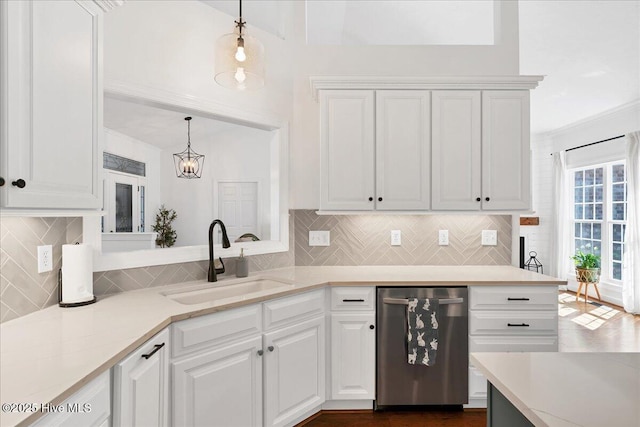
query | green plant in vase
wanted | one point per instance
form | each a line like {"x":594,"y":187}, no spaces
{"x":587,"y":264}
{"x":166,"y":234}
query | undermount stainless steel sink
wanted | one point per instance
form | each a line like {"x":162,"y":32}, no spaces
{"x":208,"y":292}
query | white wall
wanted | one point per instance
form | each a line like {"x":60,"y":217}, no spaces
{"x":125,"y":146}
{"x":242,"y":154}
{"x":611,"y":123}
{"x":499,"y":59}
{"x":168,"y":46}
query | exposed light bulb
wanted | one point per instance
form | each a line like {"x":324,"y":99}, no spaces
{"x":240,"y":55}
{"x":240,"y":75}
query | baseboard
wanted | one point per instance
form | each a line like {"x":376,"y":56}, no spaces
{"x":347,"y":405}
{"x":475,"y":404}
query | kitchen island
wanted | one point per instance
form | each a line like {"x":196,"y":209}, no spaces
{"x":562,"y":389}
{"x":48,"y":355}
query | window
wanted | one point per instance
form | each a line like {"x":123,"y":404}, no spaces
{"x":600,"y":214}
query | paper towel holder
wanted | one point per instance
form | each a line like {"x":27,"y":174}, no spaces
{"x":70,"y":304}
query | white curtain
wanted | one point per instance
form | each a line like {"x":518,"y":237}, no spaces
{"x":631,"y":273}
{"x":561,"y":223}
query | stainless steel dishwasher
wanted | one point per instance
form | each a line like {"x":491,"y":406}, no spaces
{"x":400,"y":384}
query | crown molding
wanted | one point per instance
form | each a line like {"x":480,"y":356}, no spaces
{"x":432,"y":82}
{"x":108,"y":5}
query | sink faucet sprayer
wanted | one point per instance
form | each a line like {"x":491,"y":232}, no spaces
{"x":211,"y":277}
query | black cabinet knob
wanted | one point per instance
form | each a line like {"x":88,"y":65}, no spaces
{"x":487,"y":199}
{"x":478,"y":199}
{"x":371,"y":199}
{"x":270,"y":348}
{"x":1,"y":181}
{"x":19,"y":183}
{"x":379,"y":199}
{"x":371,"y":327}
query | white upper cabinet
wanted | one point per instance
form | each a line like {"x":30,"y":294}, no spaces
{"x":51,"y":104}
{"x":456,"y":150}
{"x":403,"y":150}
{"x":375,"y":158}
{"x":506,"y":171}
{"x":481,"y":150}
{"x":347,"y":157}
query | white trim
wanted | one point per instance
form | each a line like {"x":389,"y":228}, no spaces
{"x":430,"y":82}
{"x":108,"y":5}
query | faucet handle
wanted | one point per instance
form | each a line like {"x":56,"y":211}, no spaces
{"x":221,"y":269}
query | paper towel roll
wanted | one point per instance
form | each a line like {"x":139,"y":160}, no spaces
{"x":77,"y":273}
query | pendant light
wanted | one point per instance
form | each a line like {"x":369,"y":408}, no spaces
{"x":188,"y":163}
{"x":239,"y":59}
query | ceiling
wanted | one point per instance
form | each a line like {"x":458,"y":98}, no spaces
{"x":159,"y":127}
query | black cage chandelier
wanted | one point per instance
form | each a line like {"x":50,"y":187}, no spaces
{"x":188,"y":163}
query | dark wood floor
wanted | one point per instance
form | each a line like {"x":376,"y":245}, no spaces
{"x":468,"y":418}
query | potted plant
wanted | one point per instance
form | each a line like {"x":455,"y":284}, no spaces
{"x":166,"y":234}
{"x":587,"y":265}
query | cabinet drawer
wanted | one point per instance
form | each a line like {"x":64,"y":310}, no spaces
{"x":195,"y":334}
{"x":513,"y":323}
{"x":353,"y":298}
{"x":512,"y":343}
{"x":283,"y":311}
{"x":513,"y":298}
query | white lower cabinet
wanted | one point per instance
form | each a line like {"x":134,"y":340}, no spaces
{"x":222,"y":387}
{"x":509,"y":318}
{"x":268,"y":376}
{"x":353,"y":347}
{"x":89,"y":407}
{"x":294,"y":371}
{"x":140,"y":384}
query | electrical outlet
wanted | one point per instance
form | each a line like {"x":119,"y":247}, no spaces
{"x":319,"y":238}
{"x":45,"y":258}
{"x":489,"y":237}
{"x":443,"y":237}
{"x":396,"y":237}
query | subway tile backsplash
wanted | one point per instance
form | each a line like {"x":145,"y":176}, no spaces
{"x":355,"y":240}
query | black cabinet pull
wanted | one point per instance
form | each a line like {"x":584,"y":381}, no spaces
{"x":371,"y":327}
{"x":260,"y":352}
{"x":352,"y":300}
{"x":371,"y":199}
{"x":478,"y":199}
{"x":518,"y":324}
{"x":379,"y":199}
{"x":487,"y":199}
{"x":1,"y":181}
{"x":270,"y":348}
{"x":517,"y":299}
{"x":155,"y":349}
{"x":19,"y":183}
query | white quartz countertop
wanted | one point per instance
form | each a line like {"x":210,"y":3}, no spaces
{"x":48,"y":355}
{"x":568,"y":389}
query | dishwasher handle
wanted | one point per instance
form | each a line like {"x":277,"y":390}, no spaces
{"x":405,"y":301}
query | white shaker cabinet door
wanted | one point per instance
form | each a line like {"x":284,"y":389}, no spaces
{"x":52,"y":104}
{"x":505,"y":150}
{"x":403,"y":150}
{"x":220,"y":388}
{"x":141,"y":385}
{"x":347,"y":149}
{"x":456,"y":130}
{"x":353,"y":349}
{"x":294,"y":380}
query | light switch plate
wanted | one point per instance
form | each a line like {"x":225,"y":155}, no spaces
{"x":45,"y":258}
{"x":489,"y":237}
{"x":443,"y":237}
{"x":396,"y":237}
{"x":319,"y":238}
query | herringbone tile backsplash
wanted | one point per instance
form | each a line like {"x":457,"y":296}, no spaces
{"x":365,"y":239}
{"x":355,"y":240}
{"x":22,"y":289}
